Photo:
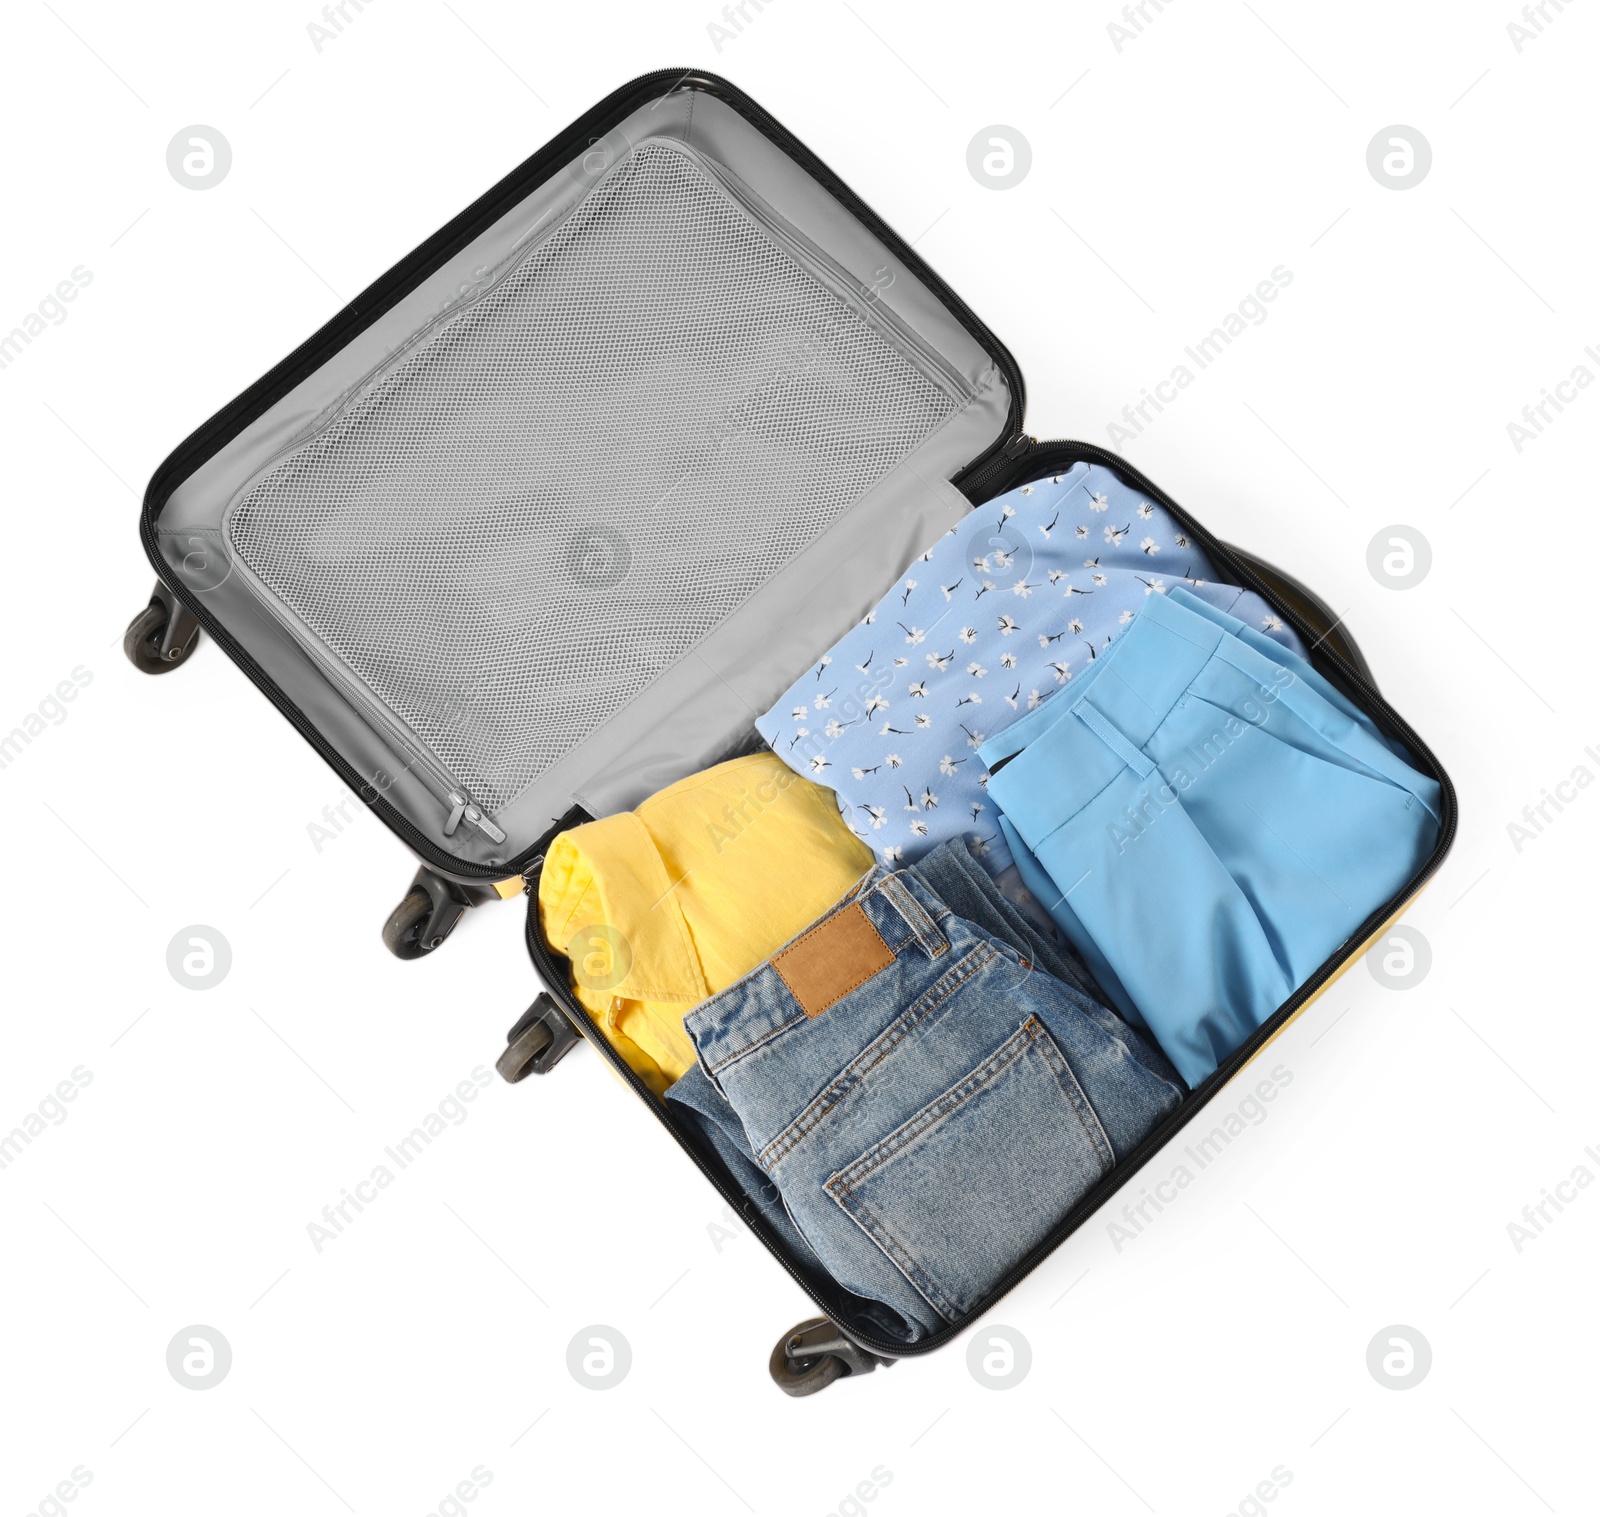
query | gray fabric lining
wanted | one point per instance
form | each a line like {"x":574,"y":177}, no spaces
{"x":559,"y":525}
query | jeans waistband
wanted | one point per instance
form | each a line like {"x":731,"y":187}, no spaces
{"x":907,"y":915}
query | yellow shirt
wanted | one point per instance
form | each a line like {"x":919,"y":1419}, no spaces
{"x":661,"y":907}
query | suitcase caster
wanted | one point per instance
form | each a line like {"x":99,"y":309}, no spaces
{"x":813,"y":1354}
{"x":542,"y":1038}
{"x":426,"y":917}
{"x":161,"y":636}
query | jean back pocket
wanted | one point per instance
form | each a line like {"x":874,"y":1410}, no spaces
{"x":963,"y":1190}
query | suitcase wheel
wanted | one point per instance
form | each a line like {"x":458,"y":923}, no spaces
{"x":813,"y":1354}
{"x":539,"y":1041}
{"x":426,"y":917}
{"x":161,"y":636}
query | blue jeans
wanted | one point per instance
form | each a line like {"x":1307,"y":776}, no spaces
{"x":925,"y":1098}
{"x":1207,"y":820}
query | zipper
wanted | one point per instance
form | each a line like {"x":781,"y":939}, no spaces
{"x":214,"y":433}
{"x":1010,"y":451}
{"x":1017,"y":456}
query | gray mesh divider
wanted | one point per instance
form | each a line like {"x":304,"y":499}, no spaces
{"x":548,"y":498}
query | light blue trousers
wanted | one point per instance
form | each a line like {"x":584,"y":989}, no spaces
{"x":1207,"y":819}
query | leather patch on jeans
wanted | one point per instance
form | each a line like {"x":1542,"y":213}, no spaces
{"x":834,"y":958}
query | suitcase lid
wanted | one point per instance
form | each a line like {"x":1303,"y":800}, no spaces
{"x":549,"y":514}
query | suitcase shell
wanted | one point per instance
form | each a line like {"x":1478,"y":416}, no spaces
{"x":382,"y":504}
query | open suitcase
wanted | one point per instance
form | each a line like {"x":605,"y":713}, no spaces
{"x":538,"y":524}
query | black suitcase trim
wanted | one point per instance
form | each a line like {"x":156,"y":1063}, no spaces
{"x":402,"y":278}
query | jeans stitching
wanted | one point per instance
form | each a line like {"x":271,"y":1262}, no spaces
{"x":841,"y":1185}
{"x":848,"y":1078}
{"x":1026,"y":1037}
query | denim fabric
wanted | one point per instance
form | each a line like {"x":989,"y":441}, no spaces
{"x":932,"y":1125}
{"x":1207,"y":819}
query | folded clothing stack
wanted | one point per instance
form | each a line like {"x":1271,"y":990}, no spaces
{"x":658,"y":908}
{"x":913,"y":1096}
{"x":999,"y":614}
{"x":1207,"y":819}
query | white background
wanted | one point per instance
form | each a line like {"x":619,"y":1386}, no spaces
{"x":428,"y":1340}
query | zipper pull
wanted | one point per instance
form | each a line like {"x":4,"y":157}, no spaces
{"x":464,"y":809}
{"x":458,"y":808}
{"x":476,"y":818}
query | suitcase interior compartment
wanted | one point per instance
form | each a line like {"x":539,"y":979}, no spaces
{"x":1332,"y":652}
{"x":557,"y":524}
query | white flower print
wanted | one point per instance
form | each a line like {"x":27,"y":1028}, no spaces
{"x":1046,"y":638}
{"x":1026,"y":490}
{"x":1008,"y":660}
{"x":1012,"y":510}
{"x":1272,"y":624}
{"x":876,"y":703}
{"x":1063,"y":673}
{"x":1011,"y":700}
{"x":1114,"y":535}
{"x":911,"y":800}
{"x":900,"y":663}
{"x":1056,"y":576}
{"x":822,"y":702}
{"x":819,"y":763}
{"x":914,"y":635}
{"x":948,"y":764}
{"x":976,"y":670}
{"x":1146,"y":510}
{"x":1056,"y":479}
{"x":976,"y":808}
{"x":1035,"y":700}
{"x":940,"y":661}
{"x":1155,"y":587}
{"x":892,"y":760}
{"x":919,"y":829}
{"x":893,"y":854}
{"x":983,"y":780}
{"x":923,"y":722}
{"x":1099,"y":502}
{"x":1099,"y":579}
{"x":1180,"y":541}
{"x":871,"y":618}
{"x":1149,"y":545}
{"x":1007,"y":626}
{"x":1022,"y":589}
{"x":978,"y":847}
{"x":878,"y":816}
{"x":918,"y":690}
{"x":1002,"y":559}
{"x":969,"y":634}
{"x":971,"y":698}
{"x":1124,"y":618}
{"x":929,"y":799}
{"x":833,"y":729}
{"x":948,"y":591}
{"x":981,"y":565}
{"x":800,"y":713}
{"x":1080,"y":532}
{"x":1075,"y":625}
{"x":974,"y":739}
